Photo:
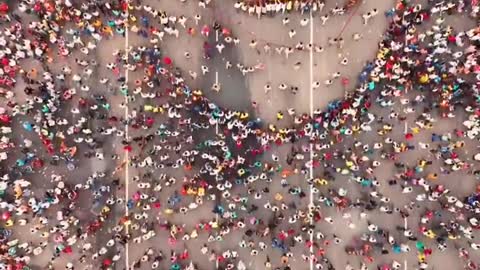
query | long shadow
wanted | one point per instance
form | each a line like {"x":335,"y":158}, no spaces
{"x":105,"y":143}
{"x":235,"y":95}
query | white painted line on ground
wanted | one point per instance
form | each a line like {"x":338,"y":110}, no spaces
{"x":216,"y":263}
{"x":405,"y":220}
{"x":311,"y":65}
{"x":216,"y":132}
{"x":127,"y":260}
{"x":405,"y":225}
{"x":311,"y":145}
{"x":216,"y":71}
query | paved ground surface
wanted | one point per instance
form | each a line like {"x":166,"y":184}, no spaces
{"x":239,"y":91}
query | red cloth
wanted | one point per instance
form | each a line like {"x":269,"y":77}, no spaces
{"x":184,"y":255}
{"x":68,"y":250}
{"x":6,"y":119}
{"x":167,"y":60}
{"x":3,"y":7}
{"x":37,"y":163}
{"x":226,"y":32}
{"x":37,"y":7}
{"x":150,"y":121}
{"x":107,"y":262}
{"x":124,"y":6}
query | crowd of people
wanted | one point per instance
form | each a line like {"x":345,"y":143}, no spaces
{"x":272,"y":7}
{"x":168,"y":151}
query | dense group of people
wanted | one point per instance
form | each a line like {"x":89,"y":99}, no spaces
{"x":100,"y":158}
{"x":272,"y":7}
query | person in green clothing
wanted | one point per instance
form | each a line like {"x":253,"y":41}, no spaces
{"x":175,"y":266}
{"x":420,"y":246}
